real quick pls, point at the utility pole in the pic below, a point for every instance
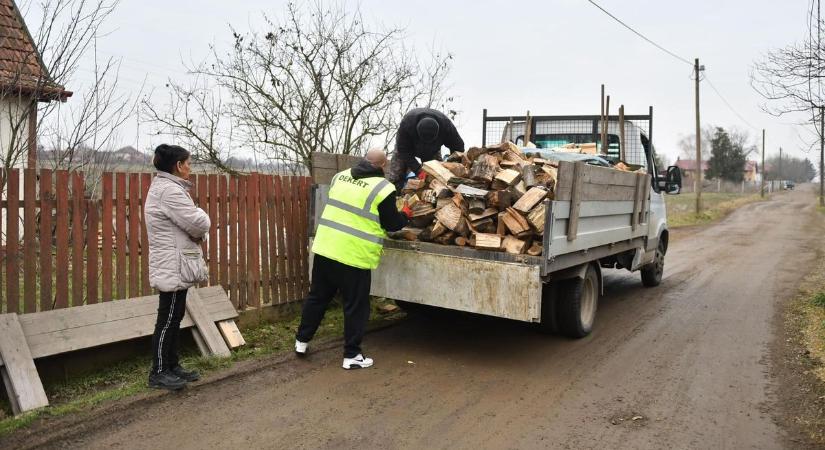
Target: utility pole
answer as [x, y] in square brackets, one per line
[696, 69]
[762, 185]
[780, 167]
[821, 109]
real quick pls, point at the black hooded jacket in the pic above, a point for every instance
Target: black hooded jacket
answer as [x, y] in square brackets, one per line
[408, 146]
[388, 215]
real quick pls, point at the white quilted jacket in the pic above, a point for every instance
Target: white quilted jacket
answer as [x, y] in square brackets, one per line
[173, 225]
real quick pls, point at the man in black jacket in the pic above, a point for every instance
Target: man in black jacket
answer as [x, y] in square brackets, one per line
[421, 134]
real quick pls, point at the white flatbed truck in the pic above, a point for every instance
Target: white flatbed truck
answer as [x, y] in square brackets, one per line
[599, 218]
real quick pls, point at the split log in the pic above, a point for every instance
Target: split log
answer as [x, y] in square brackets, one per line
[438, 229]
[536, 218]
[452, 217]
[426, 235]
[514, 245]
[478, 184]
[476, 206]
[455, 157]
[461, 202]
[516, 223]
[413, 185]
[506, 178]
[437, 171]
[486, 241]
[501, 229]
[487, 225]
[461, 241]
[499, 200]
[456, 168]
[487, 213]
[442, 202]
[465, 190]
[535, 249]
[474, 152]
[445, 239]
[529, 200]
[441, 189]
[484, 168]
[407, 234]
[428, 196]
[521, 188]
[528, 176]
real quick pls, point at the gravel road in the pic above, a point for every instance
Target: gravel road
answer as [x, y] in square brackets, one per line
[684, 365]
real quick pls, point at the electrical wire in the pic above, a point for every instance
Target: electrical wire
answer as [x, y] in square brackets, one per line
[640, 34]
[732, 109]
[702, 78]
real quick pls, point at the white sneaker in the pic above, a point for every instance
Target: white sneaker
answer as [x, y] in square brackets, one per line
[359, 362]
[301, 348]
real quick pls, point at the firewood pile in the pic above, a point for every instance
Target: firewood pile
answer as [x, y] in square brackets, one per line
[487, 198]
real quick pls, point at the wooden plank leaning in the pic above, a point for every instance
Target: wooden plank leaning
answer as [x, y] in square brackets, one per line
[25, 391]
[208, 333]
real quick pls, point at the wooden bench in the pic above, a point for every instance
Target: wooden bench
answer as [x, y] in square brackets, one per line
[26, 337]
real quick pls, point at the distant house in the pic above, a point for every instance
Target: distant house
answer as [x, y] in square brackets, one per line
[24, 81]
[688, 168]
[751, 171]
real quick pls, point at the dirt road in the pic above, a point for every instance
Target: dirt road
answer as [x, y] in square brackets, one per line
[684, 365]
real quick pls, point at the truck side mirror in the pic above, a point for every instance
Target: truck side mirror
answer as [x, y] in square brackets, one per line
[673, 180]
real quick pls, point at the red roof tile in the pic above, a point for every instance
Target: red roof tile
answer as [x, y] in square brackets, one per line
[20, 65]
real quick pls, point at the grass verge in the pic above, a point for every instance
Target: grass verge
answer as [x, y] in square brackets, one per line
[681, 208]
[806, 322]
[129, 377]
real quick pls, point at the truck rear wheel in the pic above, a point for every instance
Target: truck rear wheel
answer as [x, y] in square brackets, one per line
[652, 273]
[577, 304]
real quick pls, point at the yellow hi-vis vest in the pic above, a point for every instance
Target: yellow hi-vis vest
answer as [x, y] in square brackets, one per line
[349, 230]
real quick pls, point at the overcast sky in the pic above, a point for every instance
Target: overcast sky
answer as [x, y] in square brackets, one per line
[548, 57]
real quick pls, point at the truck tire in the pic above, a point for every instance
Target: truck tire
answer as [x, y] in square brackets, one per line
[577, 303]
[652, 273]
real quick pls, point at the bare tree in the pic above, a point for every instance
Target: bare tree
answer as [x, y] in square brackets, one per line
[65, 35]
[320, 79]
[790, 79]
[687, 144]
[196, 115]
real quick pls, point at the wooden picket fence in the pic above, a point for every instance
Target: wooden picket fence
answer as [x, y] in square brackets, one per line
[61, 248]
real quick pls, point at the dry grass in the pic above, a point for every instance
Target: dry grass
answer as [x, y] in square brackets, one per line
[681, 208]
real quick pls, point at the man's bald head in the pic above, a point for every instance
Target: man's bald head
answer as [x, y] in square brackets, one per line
[377, 158]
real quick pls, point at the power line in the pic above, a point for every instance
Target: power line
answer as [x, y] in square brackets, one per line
[721, 97]
[716, 91]
[641, 35]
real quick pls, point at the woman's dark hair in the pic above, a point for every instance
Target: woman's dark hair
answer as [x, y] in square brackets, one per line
[167, 157]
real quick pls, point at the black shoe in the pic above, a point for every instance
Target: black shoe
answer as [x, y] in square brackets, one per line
[166, 380]
[186, 375]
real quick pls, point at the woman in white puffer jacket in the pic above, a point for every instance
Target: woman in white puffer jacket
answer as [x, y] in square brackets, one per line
[175, 227]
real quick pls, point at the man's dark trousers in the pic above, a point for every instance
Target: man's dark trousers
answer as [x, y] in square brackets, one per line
[328, 278]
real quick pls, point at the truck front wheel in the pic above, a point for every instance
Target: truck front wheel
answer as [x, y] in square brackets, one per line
[652, 273]
[578, 300]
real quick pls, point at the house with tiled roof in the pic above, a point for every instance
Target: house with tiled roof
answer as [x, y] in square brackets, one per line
[24, 81]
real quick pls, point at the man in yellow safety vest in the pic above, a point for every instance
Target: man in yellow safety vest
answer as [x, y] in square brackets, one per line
[348, 245]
